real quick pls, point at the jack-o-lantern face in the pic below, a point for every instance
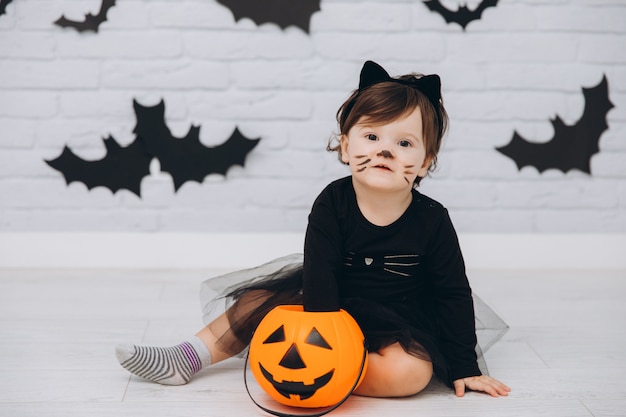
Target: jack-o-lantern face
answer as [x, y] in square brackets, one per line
[293, 360]
[307, 359]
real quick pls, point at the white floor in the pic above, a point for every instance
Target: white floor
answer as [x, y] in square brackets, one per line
[564, 355]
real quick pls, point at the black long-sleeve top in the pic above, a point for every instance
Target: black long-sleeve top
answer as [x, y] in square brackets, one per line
[413, 265]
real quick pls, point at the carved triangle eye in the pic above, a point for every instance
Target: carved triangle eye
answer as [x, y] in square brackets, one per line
[277, 336]
[315, 338]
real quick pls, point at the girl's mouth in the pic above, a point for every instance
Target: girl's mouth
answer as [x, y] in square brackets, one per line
[383, 167]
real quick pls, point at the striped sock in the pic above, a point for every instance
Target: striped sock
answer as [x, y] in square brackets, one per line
[166, 365]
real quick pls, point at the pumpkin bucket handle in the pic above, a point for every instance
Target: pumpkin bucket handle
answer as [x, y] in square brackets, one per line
[316, 414]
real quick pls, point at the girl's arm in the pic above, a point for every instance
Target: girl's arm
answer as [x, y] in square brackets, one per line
[453, 301]
[322, 256]
[455, 309]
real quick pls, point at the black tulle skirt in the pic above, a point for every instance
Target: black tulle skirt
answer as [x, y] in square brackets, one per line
[246, 296]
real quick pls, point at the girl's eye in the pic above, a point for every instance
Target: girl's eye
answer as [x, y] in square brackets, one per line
[404, 143]
[371, 136]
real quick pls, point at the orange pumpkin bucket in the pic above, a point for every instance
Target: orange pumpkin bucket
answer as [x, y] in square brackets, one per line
[308, 359]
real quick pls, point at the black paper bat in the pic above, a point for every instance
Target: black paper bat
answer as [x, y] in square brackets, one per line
[91, 22]
[463, 16]
[572, 146]
[281, 12]
[121, 168]
[3, 6]
[184, 159]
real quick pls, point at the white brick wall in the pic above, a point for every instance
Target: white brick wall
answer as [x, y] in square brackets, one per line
[515, 69]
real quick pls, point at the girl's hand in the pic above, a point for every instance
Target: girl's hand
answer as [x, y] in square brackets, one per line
[482, 383]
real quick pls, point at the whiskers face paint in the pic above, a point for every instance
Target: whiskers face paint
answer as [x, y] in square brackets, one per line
[368, 160]
[408, 172]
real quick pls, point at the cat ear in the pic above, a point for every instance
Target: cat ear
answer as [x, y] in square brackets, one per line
[430, 85]
[372, 73]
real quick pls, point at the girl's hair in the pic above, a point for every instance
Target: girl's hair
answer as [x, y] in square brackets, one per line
[387, 101]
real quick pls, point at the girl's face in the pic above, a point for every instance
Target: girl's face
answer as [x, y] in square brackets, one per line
[386, 157]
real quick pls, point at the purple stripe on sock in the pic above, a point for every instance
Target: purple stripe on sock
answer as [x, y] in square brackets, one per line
[191, 354]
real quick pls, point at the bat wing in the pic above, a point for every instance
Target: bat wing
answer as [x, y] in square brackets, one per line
[232, 152]
[3, 6]
[121, 168]
[571, 146]
[91, 22]
[463, 16]
[187, 159]
[282, 12]
[201, 161]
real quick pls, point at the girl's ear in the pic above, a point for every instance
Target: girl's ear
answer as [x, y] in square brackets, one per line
[425, 167]
[343, 142]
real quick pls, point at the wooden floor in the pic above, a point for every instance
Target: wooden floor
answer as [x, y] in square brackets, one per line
[564, 355]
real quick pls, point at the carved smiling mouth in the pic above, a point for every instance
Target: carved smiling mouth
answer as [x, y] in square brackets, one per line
[287, 388]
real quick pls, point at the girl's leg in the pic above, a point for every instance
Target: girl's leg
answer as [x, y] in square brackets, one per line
[174, 365]
[215, 342]
[211, 333]
[392, 372]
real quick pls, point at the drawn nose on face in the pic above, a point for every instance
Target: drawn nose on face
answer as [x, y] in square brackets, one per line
[292, 359]
[385, 154]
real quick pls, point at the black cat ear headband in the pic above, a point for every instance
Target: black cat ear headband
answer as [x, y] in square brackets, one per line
[429, 85]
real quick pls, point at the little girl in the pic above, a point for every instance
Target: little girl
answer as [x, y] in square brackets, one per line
[375, 247]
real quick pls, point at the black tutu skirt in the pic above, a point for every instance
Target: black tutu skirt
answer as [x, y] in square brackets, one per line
[246, 296]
